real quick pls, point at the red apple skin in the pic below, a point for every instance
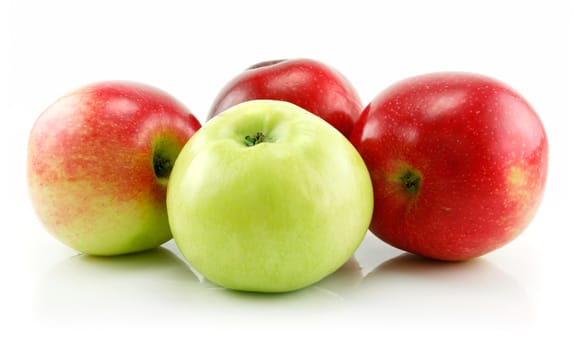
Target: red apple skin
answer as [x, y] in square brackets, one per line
[478, 150]
[92, 160]
[310, 84]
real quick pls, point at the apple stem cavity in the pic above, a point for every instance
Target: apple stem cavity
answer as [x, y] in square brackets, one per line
[411, 181]
[252, 140]
[162, 166]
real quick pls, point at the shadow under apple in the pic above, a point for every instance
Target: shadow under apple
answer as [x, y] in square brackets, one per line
[325, 295]
[413, 288]
[121, 287]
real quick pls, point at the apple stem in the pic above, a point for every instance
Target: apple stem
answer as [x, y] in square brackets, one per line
[411, 181]
[252, 140]
[265, 64]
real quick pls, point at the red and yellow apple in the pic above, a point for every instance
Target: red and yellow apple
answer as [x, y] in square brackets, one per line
[98, 163]
[458, 163]
[309, 84]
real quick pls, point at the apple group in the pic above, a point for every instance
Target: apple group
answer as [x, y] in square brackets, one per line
[278, 187]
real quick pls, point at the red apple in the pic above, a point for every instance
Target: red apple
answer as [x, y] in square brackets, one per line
[458, 163]
[309, 84]
[98, 163]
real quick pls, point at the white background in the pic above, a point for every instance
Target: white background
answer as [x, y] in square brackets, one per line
[517, 296]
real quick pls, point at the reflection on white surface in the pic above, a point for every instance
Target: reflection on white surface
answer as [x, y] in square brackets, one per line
[100, 287]
[160, 285]
[418, 289]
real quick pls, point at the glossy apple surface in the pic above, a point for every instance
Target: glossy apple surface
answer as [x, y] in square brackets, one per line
[267, 197]
[458, 163]
[310, 84]
[98, 163]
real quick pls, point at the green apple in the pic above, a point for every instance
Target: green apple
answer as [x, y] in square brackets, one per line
[268, 197]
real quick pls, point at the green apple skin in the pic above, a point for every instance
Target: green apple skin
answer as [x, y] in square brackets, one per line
[275, 216]
[98, 166]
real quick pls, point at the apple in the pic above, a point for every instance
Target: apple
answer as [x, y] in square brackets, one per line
[458, 163]
[310, 84]
[268, 197]
[98, 163]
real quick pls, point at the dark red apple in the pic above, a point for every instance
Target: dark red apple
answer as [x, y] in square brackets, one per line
[310, 84]
[458, 163]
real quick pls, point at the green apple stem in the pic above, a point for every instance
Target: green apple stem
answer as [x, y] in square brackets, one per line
[252, 140]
